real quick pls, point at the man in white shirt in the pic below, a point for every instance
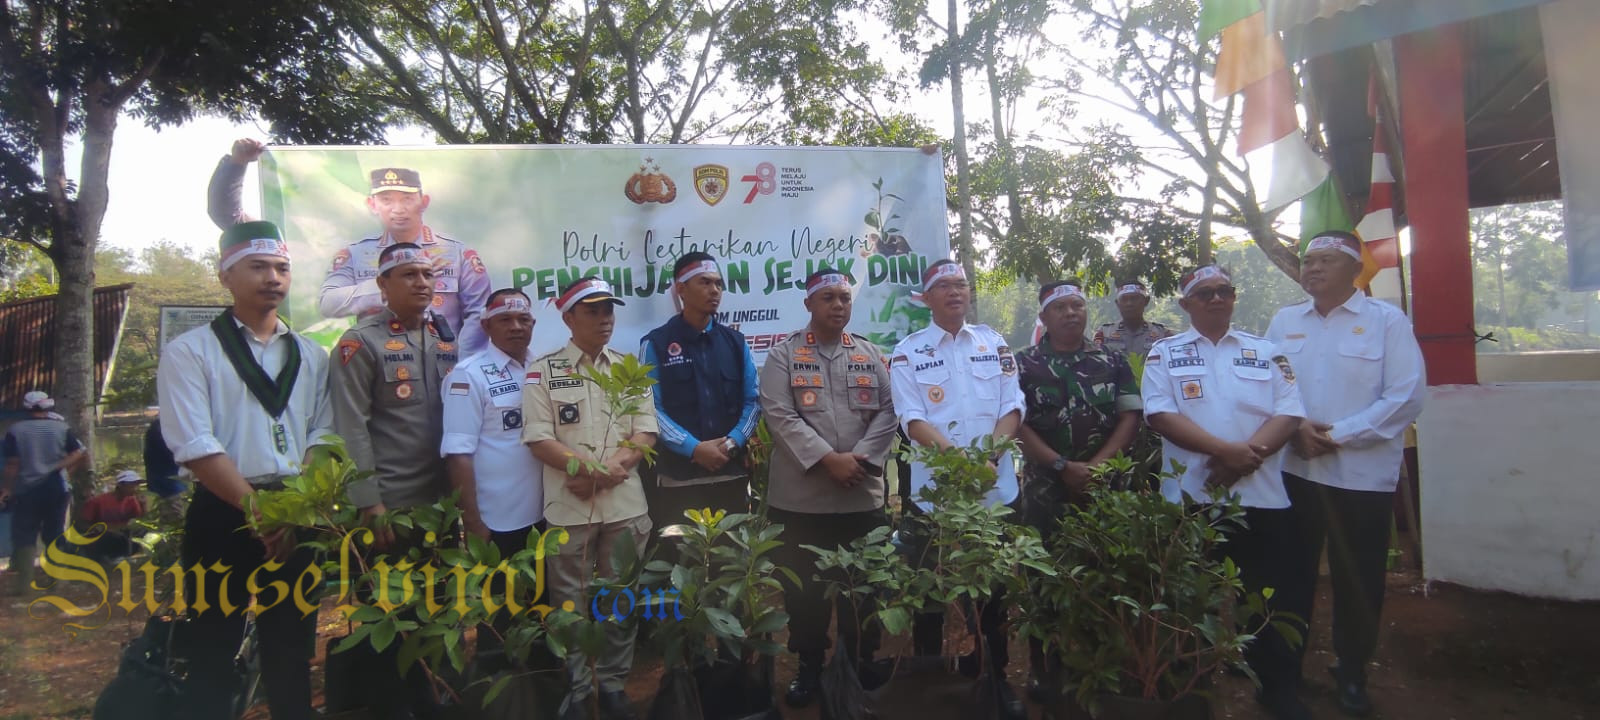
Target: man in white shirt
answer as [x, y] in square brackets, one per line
[242, 401]
[1362, 381]
[1225, 406]
[953, 383]
[501, 486]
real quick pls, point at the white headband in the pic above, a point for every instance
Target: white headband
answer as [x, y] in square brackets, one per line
[1206, 273]
[506, 304]
[947, 270]
[258, 246]
[404, 256]
[1131, 289]
[1060, 292]
[699, 268]
[1332, 242]
[581, 291]
[833, 279]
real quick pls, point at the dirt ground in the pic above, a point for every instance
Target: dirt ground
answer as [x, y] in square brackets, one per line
[1447, 653]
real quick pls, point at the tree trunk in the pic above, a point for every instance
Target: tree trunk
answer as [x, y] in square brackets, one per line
[963, 177]
[1018, 226]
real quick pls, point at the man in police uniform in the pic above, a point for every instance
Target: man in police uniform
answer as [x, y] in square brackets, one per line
[826, 397]
[707, 403]
[603, 504]
[387, 386]
[1133, 335]
[1225, 405]
[1363, 385]
[396, 199]
[243, 400]
[953, 383]
[500, 484]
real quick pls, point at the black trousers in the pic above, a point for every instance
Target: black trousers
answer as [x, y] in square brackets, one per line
[809, 610]
[1262, 551]
[1354, 525]
[927, 627]
[667, 504]
[285, 634]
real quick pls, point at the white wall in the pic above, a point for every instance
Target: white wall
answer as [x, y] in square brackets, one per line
[1511, 487]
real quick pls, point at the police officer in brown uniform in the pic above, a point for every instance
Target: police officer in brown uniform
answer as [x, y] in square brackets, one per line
[827, 401]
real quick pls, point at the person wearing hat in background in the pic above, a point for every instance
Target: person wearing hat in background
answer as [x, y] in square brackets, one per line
[396, 199]
[707, 402]
[1225, 405]
[501, 485]
[953, 383]
[37, 449]
[387, 390]
[116, 508]
[603, 504]
[1361, 377]
[1132, 334]
[825, 394]
[243, 400]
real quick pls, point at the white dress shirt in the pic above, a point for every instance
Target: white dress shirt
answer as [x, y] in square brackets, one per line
[483, 418]
[1360, 370]
[207, 409]
[1230, 389]
[962, 385]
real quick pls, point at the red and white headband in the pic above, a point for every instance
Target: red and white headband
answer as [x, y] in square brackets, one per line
[405, 256]
[586, 288]
[1334, 242]
[689, 272]
[940, 272]
[827, 280]
[1060, 292]
[1133, 289]
[1201, 275]
[258, 246]
[506, 304]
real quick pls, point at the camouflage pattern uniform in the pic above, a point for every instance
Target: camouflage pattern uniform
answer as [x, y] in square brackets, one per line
[1073, 402]
[1117, 337]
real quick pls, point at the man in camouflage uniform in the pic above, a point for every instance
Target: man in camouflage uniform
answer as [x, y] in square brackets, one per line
[1083, 407]
[1133, 335]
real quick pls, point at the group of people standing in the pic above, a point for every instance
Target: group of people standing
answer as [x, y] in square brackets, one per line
[1337, 380]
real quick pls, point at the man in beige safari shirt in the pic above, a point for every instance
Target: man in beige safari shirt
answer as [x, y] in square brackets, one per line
[826, 397]
[566, 416]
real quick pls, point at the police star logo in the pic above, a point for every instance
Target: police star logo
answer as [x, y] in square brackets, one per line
[711, 183]
[1192, 390]
[403, 391]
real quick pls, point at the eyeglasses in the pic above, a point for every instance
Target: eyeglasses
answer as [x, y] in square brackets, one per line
[1226, 292]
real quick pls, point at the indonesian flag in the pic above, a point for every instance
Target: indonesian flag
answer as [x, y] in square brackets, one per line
[1283, 167]
[1377, 228]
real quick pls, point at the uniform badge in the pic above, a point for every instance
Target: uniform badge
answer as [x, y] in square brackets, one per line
[1283, 367]
[347, 350]
[864, 396]
[432, 330]
[863, 381]
[811, 338]
[567, 414]
[395, 328]
[1358, 330]
[711, 183]
[858, 358]
[402, 373]
[1008, 364]
[798, 381]
[808, 398]
[446, 347]
[1247, 354]
[1192, 390]
[510, 419]
[394, 345]
[674, 350]
[403, 391]
[816, 381]
[926, 350]
[846, 341]
[533, 378]
[341, 259]
[983, 348]
[475, 263]
[460, 388]
[898, 360]
[936, 394]
[438, 300]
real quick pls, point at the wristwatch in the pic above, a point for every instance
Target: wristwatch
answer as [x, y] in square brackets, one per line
[1060, 464]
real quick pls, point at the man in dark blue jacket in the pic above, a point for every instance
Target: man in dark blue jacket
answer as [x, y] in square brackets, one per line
[707, 402]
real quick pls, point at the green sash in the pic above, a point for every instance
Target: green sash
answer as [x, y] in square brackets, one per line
[273, 394]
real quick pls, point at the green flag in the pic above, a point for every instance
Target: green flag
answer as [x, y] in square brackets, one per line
[1323, 209]
[1218, 14]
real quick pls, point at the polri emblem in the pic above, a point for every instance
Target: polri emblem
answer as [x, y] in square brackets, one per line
[711, 183]
[403, 391]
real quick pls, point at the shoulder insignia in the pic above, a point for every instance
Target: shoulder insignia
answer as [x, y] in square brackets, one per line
[347, 350]
[474, 263]
[395, 328]
[1283, 367]
[846, 341]
[340, 259]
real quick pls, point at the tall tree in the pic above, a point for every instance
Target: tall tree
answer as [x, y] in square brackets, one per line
[70, 69]
[1140, 59]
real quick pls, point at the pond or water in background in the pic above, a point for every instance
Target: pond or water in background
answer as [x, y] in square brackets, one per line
[119, 447]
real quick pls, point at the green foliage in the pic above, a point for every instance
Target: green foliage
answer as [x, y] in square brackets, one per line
[1519, 281]
[164, 273]
[24, 272]
[1140, 605]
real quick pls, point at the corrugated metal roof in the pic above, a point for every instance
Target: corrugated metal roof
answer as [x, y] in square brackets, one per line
[28, 342]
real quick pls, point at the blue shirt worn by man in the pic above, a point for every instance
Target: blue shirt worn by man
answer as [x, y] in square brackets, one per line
[706, 388]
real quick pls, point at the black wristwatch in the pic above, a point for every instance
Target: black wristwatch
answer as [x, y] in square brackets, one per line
[1060, 464]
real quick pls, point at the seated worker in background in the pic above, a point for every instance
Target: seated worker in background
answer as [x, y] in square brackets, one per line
[116, 509]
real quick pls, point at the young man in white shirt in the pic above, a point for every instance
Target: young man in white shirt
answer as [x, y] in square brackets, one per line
[243, 399]
[1225, 406]
[952, 383]
[1363, 384]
